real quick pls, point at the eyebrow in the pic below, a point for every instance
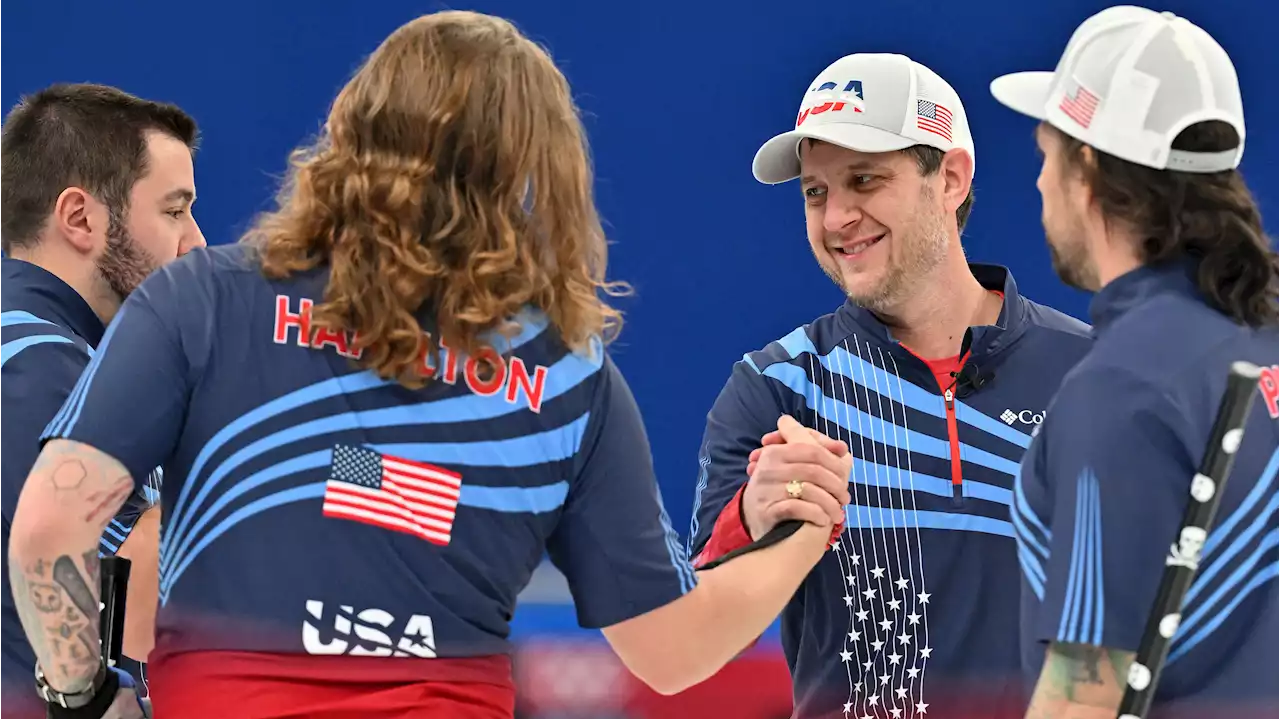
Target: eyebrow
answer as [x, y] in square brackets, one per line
[184, 194]
[853, 168]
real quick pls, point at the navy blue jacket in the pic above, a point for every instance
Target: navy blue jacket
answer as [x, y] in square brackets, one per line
[917, 607]
[1107, 479]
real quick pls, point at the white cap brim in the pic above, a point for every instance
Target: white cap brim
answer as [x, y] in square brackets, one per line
[778, 160]
[1024, 92]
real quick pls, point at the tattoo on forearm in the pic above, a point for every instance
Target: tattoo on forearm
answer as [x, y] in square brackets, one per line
[56, 569]
[93, 568]
[1080, 682]
[66, 574]
[68, 475]
[106, 506]
[47, 598]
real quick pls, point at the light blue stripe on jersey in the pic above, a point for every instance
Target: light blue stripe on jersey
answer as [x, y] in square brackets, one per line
[536, 499]
[531, 325]
[271, 501]
[1183, 640]
[11, 349]
[1031, 553]
[679, 560]
[909, 394]
[553, 445]
[1264, 575]
[561, 377]
[704, 474]
[886, 518]
[1083, 609]
[872, 474]
[853, 418]
[66, 419]
[1260, 489]
[13, 318]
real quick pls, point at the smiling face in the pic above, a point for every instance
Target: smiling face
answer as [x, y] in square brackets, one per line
[876, 224]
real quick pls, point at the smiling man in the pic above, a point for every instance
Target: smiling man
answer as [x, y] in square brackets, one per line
[934, 372]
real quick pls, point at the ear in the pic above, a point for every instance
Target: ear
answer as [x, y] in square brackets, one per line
[80, 219]
[1087, 165]
[957, 177]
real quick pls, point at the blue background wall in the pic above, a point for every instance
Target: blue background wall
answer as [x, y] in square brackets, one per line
[677, 97]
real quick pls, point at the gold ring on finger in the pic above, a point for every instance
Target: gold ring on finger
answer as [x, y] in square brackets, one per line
[794, 489]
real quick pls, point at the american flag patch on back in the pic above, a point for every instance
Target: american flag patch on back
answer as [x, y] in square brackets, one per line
[393, 493]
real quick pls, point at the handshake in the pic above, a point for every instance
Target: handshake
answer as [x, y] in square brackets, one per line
[796, 473]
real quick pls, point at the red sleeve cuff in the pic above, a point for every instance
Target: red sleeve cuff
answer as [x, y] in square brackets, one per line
[729, 534]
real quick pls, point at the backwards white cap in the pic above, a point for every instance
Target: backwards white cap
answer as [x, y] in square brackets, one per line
[1129, 81]
[869, 102]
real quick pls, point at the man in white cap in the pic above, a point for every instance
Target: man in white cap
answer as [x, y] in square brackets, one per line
[1142, 128]
[934, 373]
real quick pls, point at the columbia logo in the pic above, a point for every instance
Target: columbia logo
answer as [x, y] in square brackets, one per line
[1009, 416]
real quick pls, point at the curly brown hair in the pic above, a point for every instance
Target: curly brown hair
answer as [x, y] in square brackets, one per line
[452, 182]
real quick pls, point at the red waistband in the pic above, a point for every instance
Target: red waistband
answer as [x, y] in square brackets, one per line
[258, 685]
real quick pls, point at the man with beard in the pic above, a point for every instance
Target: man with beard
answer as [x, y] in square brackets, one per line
[1142, 130]
[934, 373]
[96, 193]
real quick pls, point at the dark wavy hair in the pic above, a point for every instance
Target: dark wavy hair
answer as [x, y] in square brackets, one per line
[452, 178]
[1209, 217]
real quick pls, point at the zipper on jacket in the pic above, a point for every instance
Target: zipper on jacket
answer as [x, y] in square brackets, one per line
[957, 481]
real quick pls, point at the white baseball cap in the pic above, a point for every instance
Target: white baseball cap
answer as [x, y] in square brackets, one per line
[869, 102]
[1129, 81]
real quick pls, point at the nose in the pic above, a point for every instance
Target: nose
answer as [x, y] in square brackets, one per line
[843, 208]
[193, 239]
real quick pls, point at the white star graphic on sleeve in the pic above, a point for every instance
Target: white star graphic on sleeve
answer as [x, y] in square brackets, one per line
[894, 604]
[848, 600]
[866, 666]
[869, 594]
[895, 658]
[884, 679]
[924, 597]
[852, 579]
[912, 672]
[904, 639]
[873, 700]
[886, 624]
[855, 636]
[847, 707]
[853, 557]
[926, 652]
[862, 615]
[901, 692]
[913, 618]
[922, 708]
[896, 712]
[845, 656]
[876, 645]
[902, 583]
[878, 572]
[857, 688]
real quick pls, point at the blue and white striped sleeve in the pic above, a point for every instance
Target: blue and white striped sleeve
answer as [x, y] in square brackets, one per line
[1118, 473]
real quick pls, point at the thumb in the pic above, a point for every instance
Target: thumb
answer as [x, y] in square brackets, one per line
[793, 432]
